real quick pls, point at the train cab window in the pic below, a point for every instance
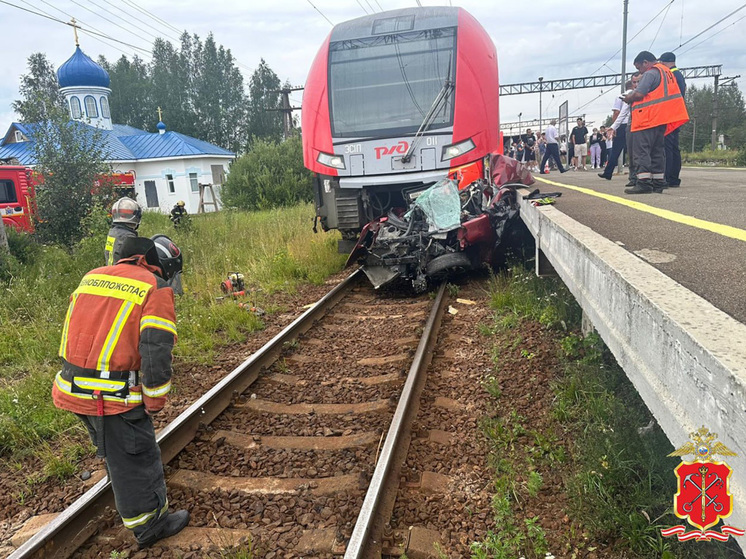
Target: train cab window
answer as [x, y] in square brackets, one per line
[7, 192]
[387, 83]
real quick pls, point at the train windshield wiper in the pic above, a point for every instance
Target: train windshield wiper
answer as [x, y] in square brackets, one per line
[441, 98]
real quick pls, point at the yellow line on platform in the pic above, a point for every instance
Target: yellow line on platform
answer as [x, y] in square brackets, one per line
[719, 228]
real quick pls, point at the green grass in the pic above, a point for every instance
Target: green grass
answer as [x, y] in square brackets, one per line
[620, 482]
[275, 250]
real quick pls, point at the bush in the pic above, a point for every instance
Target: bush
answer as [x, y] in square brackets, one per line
[22, 246]
[721, 158]
[271, 175]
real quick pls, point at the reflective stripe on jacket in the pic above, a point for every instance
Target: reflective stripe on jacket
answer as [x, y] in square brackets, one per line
[113, 247]
[120, 320]
[663, 105]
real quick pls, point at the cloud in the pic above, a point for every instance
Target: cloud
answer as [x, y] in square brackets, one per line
[548, 38]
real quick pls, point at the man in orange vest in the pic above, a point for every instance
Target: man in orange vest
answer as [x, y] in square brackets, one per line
[657, 110]
[116, 373]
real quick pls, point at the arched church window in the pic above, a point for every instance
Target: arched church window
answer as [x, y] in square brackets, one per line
[90, 107]
[75, 110]
[105, 112]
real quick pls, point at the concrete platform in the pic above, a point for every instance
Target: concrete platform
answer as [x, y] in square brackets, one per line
[711, 263]
[662, 278]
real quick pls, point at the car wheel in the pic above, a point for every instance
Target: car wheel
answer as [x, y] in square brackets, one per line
[448, 264]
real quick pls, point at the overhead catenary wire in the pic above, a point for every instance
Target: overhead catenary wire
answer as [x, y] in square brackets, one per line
[359, 3]
[711, 26]
[320, 12]
[663, 20]
[711, 36]
[635, 36]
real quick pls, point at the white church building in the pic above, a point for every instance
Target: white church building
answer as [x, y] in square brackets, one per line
[167, 166]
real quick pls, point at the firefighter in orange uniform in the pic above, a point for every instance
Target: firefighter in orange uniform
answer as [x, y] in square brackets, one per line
[116, 372]
[125, 218]
[658, 109]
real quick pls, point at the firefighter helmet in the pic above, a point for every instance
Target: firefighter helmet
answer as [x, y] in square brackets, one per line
[169, 255]
[181, 203]
[126, 211]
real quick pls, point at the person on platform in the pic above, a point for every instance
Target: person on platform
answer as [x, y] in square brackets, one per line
[619, 130]
[579, 141]
[657, 109]
[673, 154]
[116, 374]
[552, 150]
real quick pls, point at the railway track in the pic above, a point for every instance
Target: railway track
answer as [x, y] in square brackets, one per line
[312, 448]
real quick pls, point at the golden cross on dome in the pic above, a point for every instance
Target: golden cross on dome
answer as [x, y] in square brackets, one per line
[75, 31]
[160, 115]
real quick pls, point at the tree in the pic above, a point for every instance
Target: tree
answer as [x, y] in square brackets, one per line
[130, 97]
[265, 121]
[39, 89]
[270, 175]
[696, 135]
[69, 157]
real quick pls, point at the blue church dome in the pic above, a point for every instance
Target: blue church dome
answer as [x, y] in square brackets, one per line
[80, 70]
[161, 125]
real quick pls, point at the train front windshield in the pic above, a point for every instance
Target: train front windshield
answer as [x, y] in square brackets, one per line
[385, 85]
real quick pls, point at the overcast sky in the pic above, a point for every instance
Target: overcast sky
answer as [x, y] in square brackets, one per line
[549, 38]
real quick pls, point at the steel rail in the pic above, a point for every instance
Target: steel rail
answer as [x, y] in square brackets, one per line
[390, 461]
[72, 527]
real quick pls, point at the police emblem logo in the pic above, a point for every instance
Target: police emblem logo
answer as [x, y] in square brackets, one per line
[703, 498]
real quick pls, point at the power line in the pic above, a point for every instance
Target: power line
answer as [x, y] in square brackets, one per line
[102, 41]
[135, 18]
[711, 26]
[104, 18]
[152, 15]
[68, 24]
[322, 15]
[379, 5]
[372, 9]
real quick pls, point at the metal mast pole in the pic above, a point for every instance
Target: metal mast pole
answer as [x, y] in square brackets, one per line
[624, 46]
[714, 139]
[541, 128]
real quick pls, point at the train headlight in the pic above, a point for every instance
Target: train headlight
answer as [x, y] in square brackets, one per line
[454, 150]
[329, 160]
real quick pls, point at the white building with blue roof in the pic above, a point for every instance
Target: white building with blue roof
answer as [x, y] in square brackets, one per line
[168, 166]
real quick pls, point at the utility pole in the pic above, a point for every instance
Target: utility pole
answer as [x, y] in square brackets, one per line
[714, 138]
[624, 45]
[286, 110]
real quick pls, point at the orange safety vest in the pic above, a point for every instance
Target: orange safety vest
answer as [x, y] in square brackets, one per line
[116, 342]
[663, 105]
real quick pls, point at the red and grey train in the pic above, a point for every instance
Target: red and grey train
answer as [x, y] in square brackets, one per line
[394, 102]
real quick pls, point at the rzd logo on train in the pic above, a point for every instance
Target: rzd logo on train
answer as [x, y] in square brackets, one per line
[703, 497]
[400, 147]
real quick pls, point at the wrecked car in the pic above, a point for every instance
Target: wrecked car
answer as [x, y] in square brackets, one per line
[447, 228]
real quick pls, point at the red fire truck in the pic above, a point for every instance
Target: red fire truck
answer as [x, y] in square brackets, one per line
[18, 193]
